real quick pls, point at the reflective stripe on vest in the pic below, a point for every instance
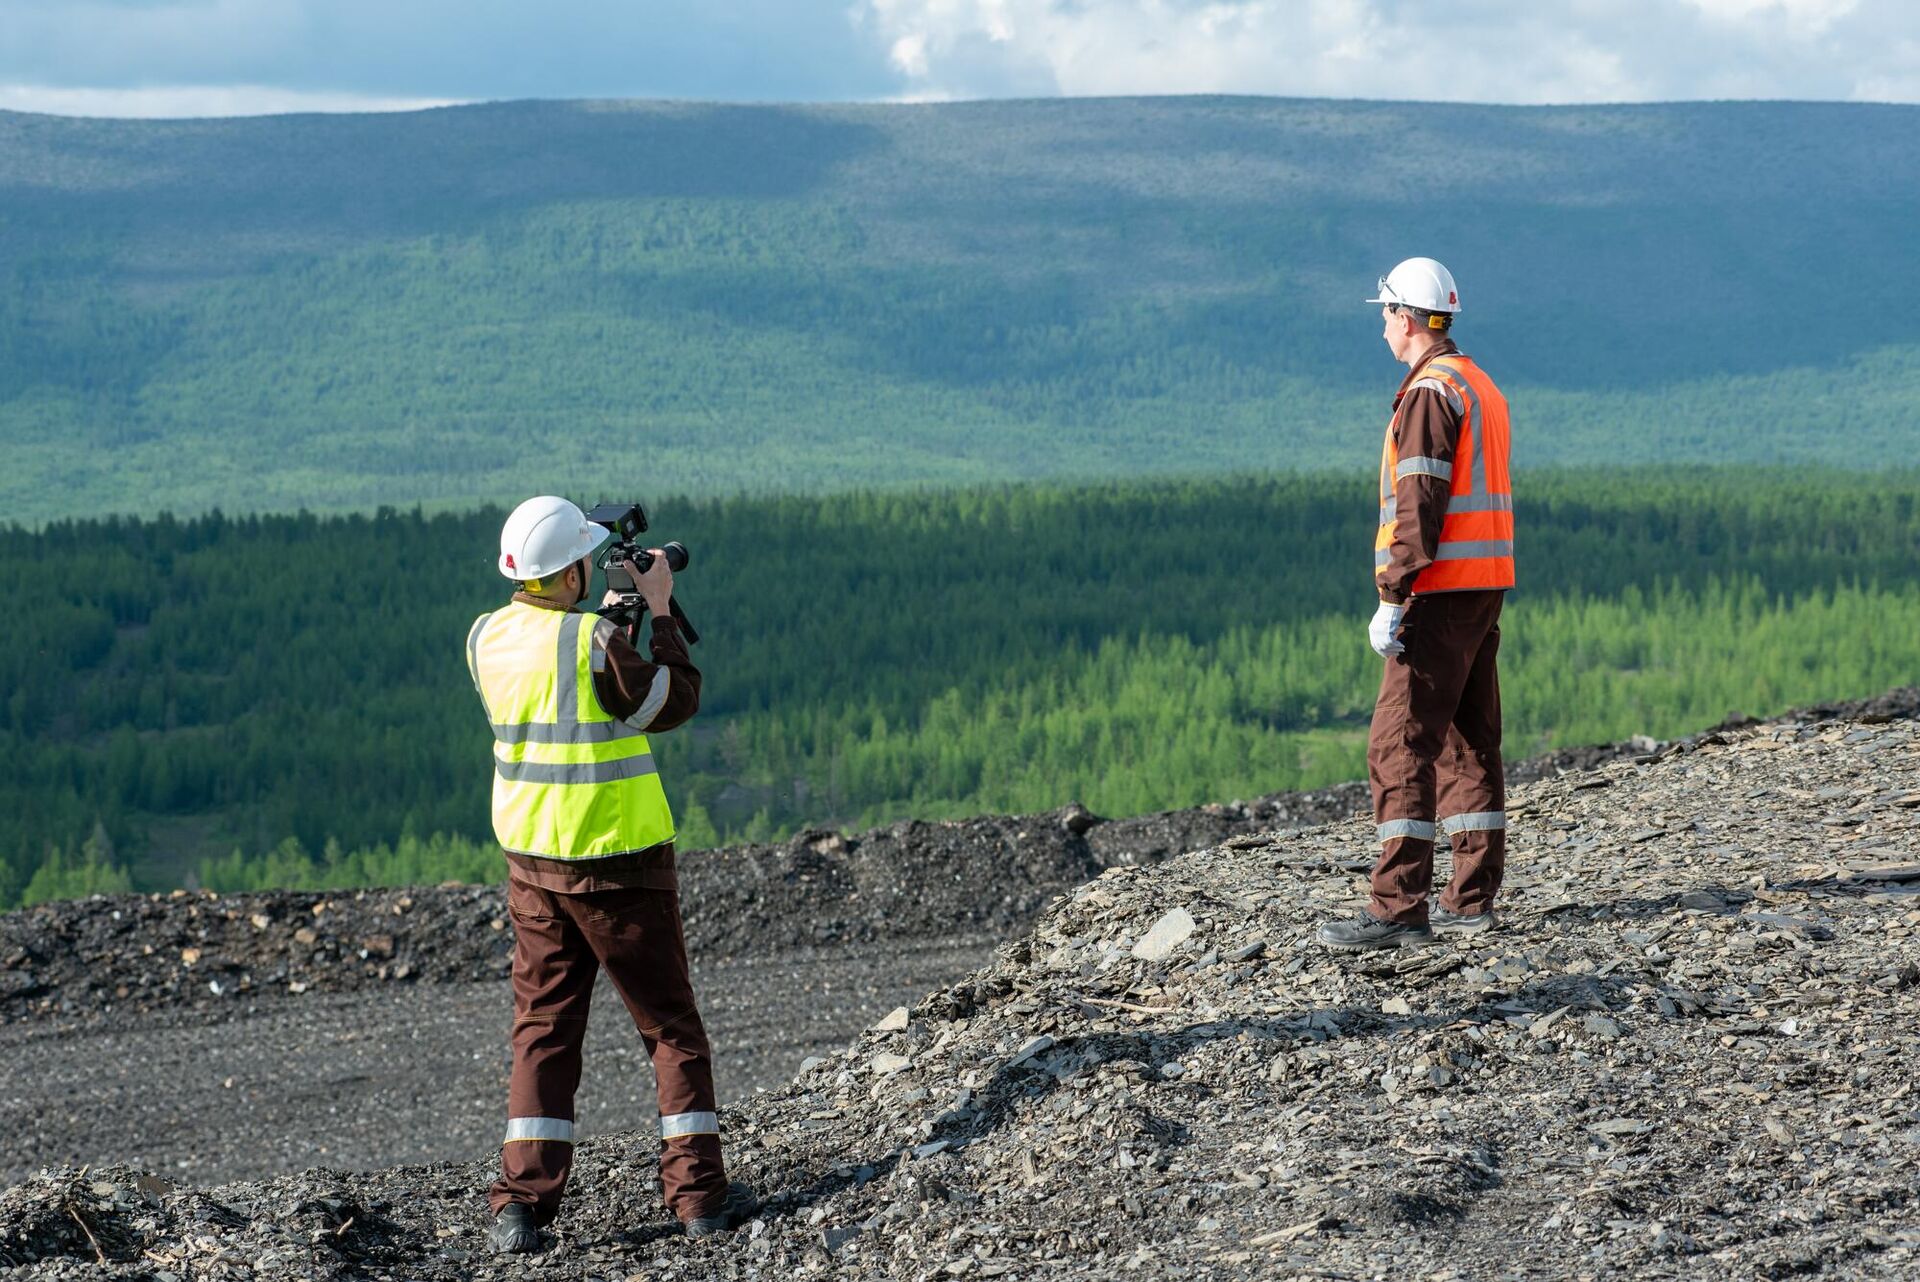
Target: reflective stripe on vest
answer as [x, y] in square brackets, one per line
[1476, 538]
[570, 781]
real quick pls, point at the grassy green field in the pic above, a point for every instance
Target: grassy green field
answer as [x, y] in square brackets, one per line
[468, 305]
[292, 688]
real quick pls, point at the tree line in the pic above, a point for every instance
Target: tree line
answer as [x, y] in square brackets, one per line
[243, 699]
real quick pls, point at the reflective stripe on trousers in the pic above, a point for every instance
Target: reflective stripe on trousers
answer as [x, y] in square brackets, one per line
[1394, 829]
[558, 1129]
[675, 1125]
[1480, 821]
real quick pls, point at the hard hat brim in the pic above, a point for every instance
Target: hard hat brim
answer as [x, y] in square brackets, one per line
[1401, 302]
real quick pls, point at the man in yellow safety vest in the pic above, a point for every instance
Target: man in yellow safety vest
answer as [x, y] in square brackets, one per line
[588, 835]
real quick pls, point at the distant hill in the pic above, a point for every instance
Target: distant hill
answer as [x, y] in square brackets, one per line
[477, 302]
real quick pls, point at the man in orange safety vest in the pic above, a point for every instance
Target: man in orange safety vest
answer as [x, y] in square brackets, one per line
[1442, 564]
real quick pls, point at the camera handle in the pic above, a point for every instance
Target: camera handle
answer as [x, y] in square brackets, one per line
[626, 613]
[686, 624]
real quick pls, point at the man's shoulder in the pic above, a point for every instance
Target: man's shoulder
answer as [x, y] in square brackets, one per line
[1457, 362]
[1461, 371]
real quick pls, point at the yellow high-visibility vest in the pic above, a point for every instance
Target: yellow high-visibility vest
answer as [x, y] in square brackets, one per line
[570, 781]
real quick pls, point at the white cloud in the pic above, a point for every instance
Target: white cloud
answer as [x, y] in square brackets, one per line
[909, 54]
[1807, 16]
[1465, 50]
[181, 101]
[1896, 77]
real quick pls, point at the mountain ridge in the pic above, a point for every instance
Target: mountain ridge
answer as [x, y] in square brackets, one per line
[453, 305]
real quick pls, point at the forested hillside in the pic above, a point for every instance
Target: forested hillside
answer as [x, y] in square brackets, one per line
[292, 687]
[471, 304]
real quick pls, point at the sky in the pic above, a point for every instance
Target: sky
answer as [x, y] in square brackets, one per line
[244, 57]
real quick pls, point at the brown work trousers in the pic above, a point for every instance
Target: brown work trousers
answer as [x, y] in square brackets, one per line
[560, 943]
[1434, 758]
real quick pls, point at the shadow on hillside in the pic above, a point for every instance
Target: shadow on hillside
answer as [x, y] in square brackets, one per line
[291, 182]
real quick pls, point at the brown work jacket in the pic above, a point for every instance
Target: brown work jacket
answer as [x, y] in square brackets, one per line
[1427, 427]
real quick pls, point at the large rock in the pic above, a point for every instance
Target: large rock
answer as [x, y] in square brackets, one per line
[1165, 935]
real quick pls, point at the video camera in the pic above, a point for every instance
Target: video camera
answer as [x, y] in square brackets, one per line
[628, 521]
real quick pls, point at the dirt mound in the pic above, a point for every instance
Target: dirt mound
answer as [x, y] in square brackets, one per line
[1689, 1050]
[205, 953]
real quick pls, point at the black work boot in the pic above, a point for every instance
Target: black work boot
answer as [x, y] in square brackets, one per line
[513, 1232]
[1367, 932]
[735, 1211]
[1446, 923]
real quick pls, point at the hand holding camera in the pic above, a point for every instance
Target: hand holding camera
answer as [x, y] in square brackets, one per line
[655, 583]
[637, 575]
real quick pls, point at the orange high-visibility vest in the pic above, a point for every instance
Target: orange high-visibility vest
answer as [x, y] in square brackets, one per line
[1476, 539]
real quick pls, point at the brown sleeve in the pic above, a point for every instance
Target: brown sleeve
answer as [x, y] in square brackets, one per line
[1429, 429]
[627, 681]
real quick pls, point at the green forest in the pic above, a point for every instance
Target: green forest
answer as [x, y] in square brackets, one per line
[452, 307]
[282, 700]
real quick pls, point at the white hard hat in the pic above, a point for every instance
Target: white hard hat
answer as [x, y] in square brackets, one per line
[544, 536]
[1422, 283]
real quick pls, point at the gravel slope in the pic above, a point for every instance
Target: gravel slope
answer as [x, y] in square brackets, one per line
[1689, 1054]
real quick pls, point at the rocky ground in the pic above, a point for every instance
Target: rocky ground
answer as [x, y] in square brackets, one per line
[117, 958]
[366, 1029]
[1689, 1053]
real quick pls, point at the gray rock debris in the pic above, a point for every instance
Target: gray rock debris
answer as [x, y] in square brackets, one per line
[1617, 1084]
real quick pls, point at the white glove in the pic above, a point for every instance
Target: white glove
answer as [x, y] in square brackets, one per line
[1384, 631]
